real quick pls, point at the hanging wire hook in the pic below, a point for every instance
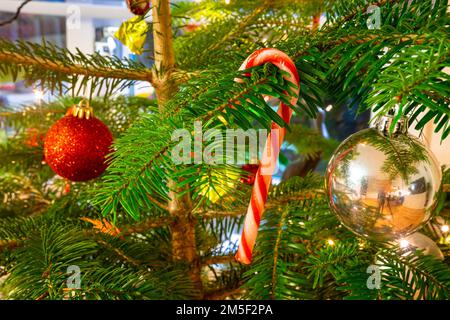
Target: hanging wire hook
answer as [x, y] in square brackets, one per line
[83, 110]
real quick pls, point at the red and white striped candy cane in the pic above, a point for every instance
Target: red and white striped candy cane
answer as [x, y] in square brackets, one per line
[269, 159]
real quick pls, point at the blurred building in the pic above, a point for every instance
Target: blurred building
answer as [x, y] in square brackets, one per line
[87, 25]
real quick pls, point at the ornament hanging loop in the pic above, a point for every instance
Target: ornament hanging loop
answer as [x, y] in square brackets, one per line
[384, 126]
[389, 126]
[83, 110]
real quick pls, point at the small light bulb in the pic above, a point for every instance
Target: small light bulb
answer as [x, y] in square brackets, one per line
[330, 242]
[329, 108]
[227, 1]
[38, 94]
[404, 243]
[445, 228]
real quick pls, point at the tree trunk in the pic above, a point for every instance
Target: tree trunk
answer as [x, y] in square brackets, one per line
[183, 229]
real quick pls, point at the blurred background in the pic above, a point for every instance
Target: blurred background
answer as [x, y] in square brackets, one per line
[87, 25]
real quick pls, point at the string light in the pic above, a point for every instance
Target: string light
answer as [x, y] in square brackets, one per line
[330, 242]
[445, 228]
[404, 243]
[38, 94]
[361, 245]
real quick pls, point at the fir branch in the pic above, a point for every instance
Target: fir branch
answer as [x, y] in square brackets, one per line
[158, 203]
[275, 271]
[60, 70]
[427, 272]
[120, 253]
[129, 165]
[239, 28]
[213, 214]
[74, 68]
[272, 203]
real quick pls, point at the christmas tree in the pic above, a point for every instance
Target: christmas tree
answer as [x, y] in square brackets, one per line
[150, 227]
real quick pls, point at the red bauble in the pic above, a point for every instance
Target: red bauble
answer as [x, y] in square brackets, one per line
[138, 7]
[75, 148]
[250, 177]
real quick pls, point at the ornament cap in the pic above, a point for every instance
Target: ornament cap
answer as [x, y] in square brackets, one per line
[83, 110]
[384, 125]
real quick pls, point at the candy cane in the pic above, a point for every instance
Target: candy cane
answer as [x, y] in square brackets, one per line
[269, 159]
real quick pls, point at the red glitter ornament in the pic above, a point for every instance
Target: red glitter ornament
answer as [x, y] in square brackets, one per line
[76, 145]
[138, 7]
[250, 177]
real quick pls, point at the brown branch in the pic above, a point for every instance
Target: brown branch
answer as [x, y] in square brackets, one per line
[16, 15]
[345, 39]
[226, 104]
[223, 293]
[358, 39]
[43, 296]
[158, 203]
[238, 31]
[352, 15]
[436, 96]
[146, 225]
[147, 165]
[153, 223]
[219, 260]
[9, 244]
[272, 202]
[111, 73]
[214, 214]
[276, 252]
[120, 253]
[164, 52]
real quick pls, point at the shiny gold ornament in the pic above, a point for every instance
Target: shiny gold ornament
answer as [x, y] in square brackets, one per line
[132, 33]
[383, 185]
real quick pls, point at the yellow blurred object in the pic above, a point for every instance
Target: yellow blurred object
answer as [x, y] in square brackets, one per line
[132, 33]
[144, 94]
[217, 190]
[222, 119]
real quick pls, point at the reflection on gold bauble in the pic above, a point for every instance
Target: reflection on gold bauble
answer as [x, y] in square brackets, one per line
[382, 186]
